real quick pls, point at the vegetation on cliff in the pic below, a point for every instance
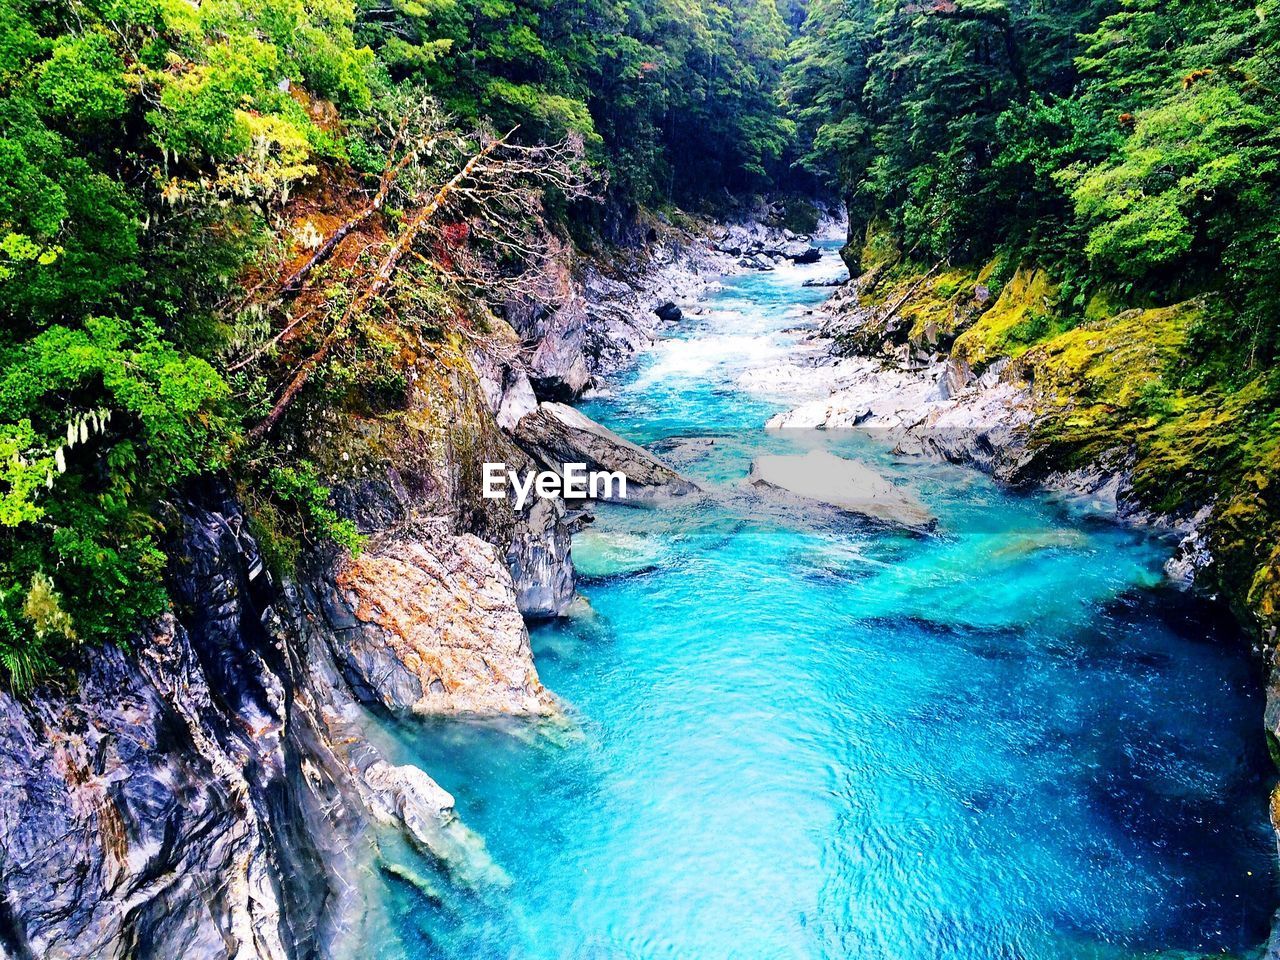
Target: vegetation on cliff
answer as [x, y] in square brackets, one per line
[212, 215]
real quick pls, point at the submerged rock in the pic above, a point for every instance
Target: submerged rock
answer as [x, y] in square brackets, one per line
[845, 484]
[556, 434]
[426, 810]
[600, 553]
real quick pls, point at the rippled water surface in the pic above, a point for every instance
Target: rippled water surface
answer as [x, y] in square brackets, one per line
[798, 736]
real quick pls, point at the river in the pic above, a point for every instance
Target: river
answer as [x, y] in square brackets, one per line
[796, 735]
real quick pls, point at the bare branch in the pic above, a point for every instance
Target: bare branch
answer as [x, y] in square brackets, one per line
[379, 282]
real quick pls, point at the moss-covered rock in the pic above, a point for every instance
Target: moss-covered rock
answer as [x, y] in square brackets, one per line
[1023, 314]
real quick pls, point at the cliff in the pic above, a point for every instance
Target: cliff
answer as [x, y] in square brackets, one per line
[213, 790]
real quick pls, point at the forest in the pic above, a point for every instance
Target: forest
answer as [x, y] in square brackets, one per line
[161, 313]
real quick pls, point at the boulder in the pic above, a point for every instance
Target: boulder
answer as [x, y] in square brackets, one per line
[668, 312]
[845, 484]
[539, 560]
[802, 252]
[505, 387]
[556, 434]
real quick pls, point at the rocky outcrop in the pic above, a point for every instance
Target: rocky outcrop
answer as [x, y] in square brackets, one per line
[556, 434]
[583, 319]
[760, 247]
[668, 312]
[202, 797]
[429, 623]
[541, 562]
[801, 251]
[847, 485]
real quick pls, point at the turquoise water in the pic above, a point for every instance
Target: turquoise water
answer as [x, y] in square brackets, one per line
[799, 736]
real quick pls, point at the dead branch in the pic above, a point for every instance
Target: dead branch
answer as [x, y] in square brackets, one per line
[911, 292]
[381, 278]
[294, 283]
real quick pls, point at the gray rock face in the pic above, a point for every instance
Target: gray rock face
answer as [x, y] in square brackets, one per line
[506, 388]
[159, 807]
[115, 831]
[556, 434]
[554, 322]
[582, 323]
[209, 796]
[541, 562]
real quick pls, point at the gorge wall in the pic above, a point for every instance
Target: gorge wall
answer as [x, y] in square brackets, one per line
[212, 791]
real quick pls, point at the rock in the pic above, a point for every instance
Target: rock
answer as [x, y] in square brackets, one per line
[506, 389]
[127, 821]
[956, 375]
[1193, 553]
[801, 252]
[797, 381]
[190, 798]
[845, 484]
[559, 368]
[756, 261]
[540, 561]
[557, 434]
[668, 312]
[554, 319]
[439, 630]
[409, 797]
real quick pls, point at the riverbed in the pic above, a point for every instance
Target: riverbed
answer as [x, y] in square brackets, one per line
[796, 734]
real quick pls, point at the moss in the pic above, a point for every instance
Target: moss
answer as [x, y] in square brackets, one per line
[1024, 312]
[1112, 383]
[1102, 303]
[941, 308]
[1114, 380]
[1245, 533]
[879, 249]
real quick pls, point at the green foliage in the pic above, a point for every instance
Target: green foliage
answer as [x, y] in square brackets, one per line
[1131, 152]
[289, 508]
[676, 97]
[138, 141]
